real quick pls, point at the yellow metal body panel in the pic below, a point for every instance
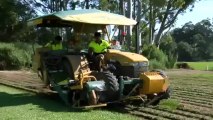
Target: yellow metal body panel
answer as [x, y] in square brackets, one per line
[124, 57]
[81, 70]
[79, 64]
[153, 82]
[36, 61]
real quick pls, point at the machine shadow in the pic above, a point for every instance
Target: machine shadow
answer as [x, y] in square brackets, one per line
[46, 102]
[127, 109]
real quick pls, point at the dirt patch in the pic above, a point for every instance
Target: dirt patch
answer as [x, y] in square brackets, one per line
[24, 80]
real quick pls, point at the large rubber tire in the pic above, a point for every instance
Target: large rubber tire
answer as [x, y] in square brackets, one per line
[167, 94]
[111, 84]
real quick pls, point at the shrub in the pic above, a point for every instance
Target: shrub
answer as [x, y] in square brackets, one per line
[157, 58]
[8, 60]
[183, 65]
[15, 55]
[172, 59]
[169, 47]
[154, 64]
[24, 52]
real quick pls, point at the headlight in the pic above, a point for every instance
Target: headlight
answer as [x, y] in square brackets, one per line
[145, 63]
[138, 64]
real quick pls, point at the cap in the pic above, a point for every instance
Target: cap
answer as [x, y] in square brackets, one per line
[97, 34]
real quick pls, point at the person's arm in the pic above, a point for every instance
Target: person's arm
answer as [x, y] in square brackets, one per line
[107, 44]
[109, 47]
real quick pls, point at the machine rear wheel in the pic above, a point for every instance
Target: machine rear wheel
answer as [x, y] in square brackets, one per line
[111, 84]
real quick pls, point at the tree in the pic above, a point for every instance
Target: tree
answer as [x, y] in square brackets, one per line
[194, 41]
[164, 13]
[169, 14]
[14, 14]
[169, 47]
[184, 51]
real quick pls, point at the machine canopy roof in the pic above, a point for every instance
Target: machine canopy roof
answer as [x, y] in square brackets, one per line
[77, 17]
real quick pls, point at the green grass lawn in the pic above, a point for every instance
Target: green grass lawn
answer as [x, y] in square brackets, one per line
[201, 65]
[21, 105]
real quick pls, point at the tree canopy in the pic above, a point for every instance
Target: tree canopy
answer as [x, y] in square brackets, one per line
[14, 14]
[155, 18]
[194, 41]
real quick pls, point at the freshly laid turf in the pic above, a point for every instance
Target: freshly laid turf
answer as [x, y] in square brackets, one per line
[170, 104]
[201, 65]
[21, 105]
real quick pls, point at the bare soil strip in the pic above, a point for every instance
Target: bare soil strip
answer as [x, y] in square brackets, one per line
[23, 80]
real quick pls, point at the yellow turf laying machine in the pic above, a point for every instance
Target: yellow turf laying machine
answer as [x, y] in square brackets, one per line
[76, 80]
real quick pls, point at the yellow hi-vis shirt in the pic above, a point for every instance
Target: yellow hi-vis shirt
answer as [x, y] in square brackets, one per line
[99, 48]
[58, 46]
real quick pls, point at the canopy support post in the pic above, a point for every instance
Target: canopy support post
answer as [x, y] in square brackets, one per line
[137, 37]
[105, 30]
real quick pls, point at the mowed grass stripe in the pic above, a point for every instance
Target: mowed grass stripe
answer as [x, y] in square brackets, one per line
[192, 102]
[196, 109]
[190, 89]
[185, 113]
[190, 93]
[200, 84]
[196, 82]
[187, 96]
[164, 114]
[147, 116]
[135, 111]
[196, 104]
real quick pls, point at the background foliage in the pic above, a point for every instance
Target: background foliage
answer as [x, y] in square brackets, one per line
[15, 55]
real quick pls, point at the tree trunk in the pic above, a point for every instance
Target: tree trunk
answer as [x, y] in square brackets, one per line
[150, 23]
[87, 4]
[122, 28]
[68, 29]
[139, 16]
[162, 26]
[166, 24]
[129, 28]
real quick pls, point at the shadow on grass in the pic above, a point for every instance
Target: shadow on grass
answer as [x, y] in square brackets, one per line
[46, 102]
[50, 103]
[126, 109]
[54, 104]
[137, 110]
